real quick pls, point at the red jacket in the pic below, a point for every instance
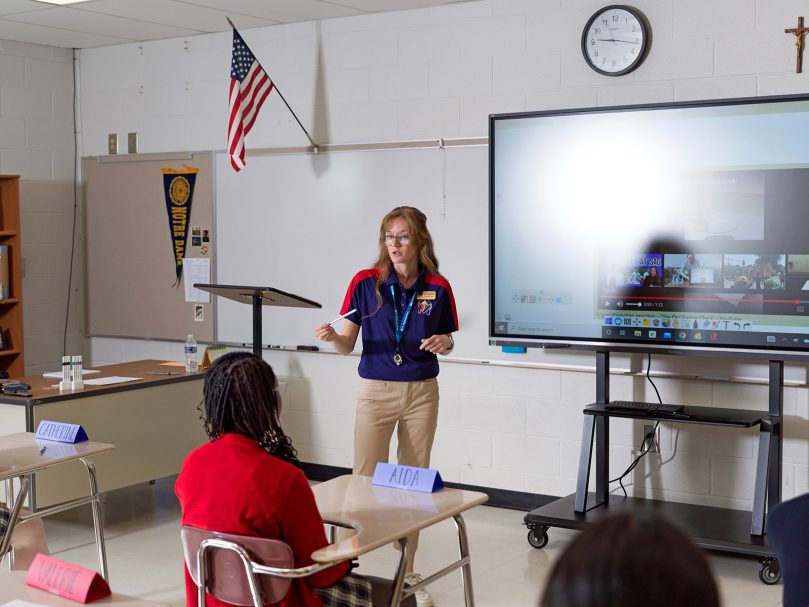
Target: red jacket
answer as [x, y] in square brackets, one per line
[232, 485]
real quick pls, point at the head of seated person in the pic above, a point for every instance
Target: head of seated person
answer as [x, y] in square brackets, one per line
[631, 561]
[240, 395]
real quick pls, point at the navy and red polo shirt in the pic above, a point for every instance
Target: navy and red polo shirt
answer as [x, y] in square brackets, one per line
[433, 312]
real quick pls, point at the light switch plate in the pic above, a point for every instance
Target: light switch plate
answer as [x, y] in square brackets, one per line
[112, 143]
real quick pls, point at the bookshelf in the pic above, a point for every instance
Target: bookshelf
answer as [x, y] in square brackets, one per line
[12, 359]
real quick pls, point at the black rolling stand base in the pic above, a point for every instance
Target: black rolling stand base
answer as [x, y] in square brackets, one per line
[718, 529]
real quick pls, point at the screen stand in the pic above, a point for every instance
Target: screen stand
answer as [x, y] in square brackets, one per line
[770, 442]
[595, 427]
[714, 528]
[258, 297]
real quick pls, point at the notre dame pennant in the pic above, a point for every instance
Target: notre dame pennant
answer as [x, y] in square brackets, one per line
[178, 186]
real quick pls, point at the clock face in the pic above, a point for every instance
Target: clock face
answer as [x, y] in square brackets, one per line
[615, 39]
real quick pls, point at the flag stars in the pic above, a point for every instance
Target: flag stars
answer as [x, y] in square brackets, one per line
[242, 59]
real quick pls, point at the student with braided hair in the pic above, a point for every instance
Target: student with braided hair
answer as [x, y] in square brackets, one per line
[246, 480]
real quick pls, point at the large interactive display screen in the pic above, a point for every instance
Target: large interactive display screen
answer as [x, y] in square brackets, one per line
[680, 226]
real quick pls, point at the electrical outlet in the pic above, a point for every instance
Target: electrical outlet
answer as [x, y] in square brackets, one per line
[655, 446]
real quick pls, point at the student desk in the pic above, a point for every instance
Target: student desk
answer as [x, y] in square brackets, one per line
[21, 455]
[12, 586]
[153, 423]
[382, 515]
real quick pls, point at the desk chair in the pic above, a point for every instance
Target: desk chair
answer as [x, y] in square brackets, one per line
[265, 564]
[788, 533]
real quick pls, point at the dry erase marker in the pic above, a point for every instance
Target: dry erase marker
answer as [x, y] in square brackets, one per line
[66, 369]
[349, 313]
[41, 451]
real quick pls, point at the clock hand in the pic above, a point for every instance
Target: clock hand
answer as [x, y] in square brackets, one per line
[616, 40]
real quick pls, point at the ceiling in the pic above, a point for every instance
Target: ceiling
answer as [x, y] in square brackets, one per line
[107, 22]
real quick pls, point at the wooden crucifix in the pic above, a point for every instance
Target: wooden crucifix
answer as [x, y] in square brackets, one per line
[799, 32]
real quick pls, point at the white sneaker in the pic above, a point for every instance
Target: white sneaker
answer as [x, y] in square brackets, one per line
[423, 598]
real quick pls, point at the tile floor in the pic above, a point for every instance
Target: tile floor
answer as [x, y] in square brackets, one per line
[145, 556]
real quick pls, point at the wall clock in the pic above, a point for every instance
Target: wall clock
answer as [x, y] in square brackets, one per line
[615, 40]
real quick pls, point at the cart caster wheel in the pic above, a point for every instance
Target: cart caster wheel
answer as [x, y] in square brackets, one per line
[770, 572]
[538, 536]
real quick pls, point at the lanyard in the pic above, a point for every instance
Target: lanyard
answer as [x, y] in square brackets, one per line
[400, 327]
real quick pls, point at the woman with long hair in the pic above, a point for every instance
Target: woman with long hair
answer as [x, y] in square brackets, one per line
[407, 314]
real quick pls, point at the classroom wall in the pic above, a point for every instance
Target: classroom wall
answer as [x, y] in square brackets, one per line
[36, 142]
[437, 73]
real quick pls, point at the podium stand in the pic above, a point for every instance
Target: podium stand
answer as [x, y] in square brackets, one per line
[258, 296]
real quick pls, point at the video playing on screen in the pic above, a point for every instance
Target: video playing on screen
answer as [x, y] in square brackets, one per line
[680, 226]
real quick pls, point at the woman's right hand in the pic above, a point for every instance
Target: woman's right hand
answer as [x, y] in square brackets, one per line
[343, 343]
[325, 332]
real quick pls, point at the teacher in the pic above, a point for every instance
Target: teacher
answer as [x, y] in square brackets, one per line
[407, 314]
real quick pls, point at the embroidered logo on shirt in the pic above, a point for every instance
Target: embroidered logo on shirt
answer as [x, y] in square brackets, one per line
[424, 307]
[426, 295]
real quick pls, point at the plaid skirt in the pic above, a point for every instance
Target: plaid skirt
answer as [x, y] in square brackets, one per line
[351, 591]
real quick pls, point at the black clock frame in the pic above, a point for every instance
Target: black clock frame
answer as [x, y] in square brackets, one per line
[645, 45]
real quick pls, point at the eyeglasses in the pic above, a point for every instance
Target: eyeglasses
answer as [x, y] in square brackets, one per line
[399, 238]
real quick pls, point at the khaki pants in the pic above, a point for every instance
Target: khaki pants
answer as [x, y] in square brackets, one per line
[411, 407]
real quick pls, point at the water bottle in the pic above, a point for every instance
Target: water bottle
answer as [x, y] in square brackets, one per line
[191, 354]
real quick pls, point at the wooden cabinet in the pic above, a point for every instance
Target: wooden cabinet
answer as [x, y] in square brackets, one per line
[11, 351]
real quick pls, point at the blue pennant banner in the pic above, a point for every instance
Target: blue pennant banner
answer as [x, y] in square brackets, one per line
[178, 186]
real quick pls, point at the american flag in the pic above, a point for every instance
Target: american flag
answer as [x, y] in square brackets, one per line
[249, 87]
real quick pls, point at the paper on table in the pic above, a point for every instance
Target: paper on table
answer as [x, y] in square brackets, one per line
[59, 373]
[104, 381]
[196, 270]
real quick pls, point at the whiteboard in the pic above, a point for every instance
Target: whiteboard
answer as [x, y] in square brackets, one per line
[306, 223]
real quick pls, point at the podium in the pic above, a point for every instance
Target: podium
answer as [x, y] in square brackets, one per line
[258, 297]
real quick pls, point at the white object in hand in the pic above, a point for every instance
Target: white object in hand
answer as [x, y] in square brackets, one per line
[349, 313]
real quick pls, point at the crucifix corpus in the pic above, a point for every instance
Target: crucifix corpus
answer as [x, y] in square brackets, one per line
[799, 32]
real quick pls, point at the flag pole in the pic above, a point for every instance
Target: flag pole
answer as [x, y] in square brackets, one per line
[275, 86]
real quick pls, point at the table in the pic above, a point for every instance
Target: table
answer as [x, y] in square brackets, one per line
[153, 423]
[382, 515]
[21, 455]
[12, 586]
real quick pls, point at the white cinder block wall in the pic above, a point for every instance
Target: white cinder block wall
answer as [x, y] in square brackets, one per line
[438, 73]
[37, 143]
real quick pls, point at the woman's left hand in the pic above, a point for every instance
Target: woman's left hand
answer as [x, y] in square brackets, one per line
[437, 344]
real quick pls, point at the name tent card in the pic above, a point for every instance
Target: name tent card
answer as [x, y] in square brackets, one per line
[411, 478]
[211, 354]
[66, 579]
[61, 432]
